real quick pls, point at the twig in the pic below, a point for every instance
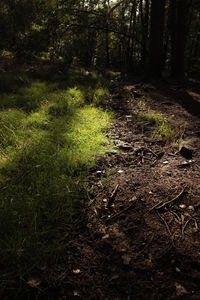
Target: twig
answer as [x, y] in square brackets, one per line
[151, 151]
[147, 245]
[122, 211]
[112, 196]
[161, 204]
[185, 225]
[167, 227]
[177, 218]
[114, 192]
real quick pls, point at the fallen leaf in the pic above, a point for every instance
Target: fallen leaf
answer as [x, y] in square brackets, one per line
[180, 290]
[34, 282]
[106, 236]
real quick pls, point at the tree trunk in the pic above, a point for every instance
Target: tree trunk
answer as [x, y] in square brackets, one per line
[178, 36]
[156, 37]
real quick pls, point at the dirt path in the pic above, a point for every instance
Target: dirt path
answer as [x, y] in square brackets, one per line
[142, 238]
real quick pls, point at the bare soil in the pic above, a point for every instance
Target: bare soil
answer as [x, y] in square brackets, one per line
[142, 237]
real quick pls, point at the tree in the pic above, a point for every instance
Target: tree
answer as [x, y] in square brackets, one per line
[179, 12]
[156, 37]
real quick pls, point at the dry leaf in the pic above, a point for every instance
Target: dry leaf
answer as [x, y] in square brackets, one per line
[180, 290]
[34, 282]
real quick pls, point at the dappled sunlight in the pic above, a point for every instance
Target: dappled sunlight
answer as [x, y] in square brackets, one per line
[43, 152]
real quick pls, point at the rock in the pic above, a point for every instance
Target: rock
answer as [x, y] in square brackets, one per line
[190, 207]
[98, 173]
[186, 148]
[186, 152]
[184, 165]
[183, 206]
[76, 271]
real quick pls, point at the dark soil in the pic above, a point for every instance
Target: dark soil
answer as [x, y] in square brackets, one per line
[142, 238]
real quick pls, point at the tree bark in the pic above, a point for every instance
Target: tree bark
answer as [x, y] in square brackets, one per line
[145, 27]
[178, 37]
[156, 37]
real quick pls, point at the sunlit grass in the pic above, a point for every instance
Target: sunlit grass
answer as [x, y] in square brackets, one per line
[49, 139]
[157, 120]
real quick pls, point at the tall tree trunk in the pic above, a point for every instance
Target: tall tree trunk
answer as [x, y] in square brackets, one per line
[156, 37]
[178, 36]
[145, 26]
[107, 40]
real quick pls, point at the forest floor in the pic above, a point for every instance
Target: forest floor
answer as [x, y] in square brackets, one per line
[124, 226]
[142, 237]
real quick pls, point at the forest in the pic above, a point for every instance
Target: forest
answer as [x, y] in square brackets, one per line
[100, 149]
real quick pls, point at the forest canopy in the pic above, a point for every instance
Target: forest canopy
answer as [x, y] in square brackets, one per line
[126, 35]
[99, 149]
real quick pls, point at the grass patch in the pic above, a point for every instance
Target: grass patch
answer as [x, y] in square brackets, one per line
[49, 139]
[162, 129]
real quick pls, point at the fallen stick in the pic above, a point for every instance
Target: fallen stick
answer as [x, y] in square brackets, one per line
[122, 211]
[185, 225]
[112, 196]
[167, 227]
[162, 204]
[114, 192]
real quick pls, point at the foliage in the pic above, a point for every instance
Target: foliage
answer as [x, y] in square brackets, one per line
[94, 34]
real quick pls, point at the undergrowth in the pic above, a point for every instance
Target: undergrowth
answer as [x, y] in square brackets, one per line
[50, 135]
[162, 129]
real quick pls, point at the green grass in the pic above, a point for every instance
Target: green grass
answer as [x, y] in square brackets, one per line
[50, 137]
[157, 120]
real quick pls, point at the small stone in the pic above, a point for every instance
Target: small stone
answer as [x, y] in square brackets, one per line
[183, 206]
[76, 294]
[76, 271]
[165, 162]
[190, 207]
[178, 270]
[120, 171]
[185, 164]
[133, 199]
[186, 151]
